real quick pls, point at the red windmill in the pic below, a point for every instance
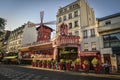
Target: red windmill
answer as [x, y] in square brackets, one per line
[44, 32]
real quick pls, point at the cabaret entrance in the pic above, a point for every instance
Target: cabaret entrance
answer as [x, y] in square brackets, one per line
[67, 53]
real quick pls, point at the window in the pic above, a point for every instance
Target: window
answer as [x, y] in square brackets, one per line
[108, 22]
[92, 32]
[76, 33]
[75, 13]
[70, 33]
[111, 40]
[64, 18]
[60, 19]
[93, 45]
[76, 23]
[70, 25]
[60, 11]
[70, 15]
[85, 34]
[85, 46]
[70, 7]
[65, 9]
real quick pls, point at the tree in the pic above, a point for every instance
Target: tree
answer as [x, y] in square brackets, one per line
[2, 23]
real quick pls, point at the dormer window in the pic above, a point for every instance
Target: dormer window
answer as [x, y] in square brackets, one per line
[107, 22]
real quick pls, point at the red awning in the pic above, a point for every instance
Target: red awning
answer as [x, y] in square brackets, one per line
[89, 53]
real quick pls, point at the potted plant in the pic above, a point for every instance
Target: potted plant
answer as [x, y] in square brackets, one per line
[77, 64]
[33, 62]
[96, 65]
[37, 63]
[40, 63]
[44, 63]
[49, 63]
[86, 66]
[68, 64]
[95, 62]
[61, 64]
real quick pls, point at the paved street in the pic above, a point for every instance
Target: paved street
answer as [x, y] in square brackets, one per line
[15, 72]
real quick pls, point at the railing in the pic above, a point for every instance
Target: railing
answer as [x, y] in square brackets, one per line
[63, 40]
[35, 43]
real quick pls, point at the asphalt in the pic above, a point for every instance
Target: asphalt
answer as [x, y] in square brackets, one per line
[111, 75]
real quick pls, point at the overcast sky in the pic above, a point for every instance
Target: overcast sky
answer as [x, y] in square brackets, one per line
[18, 12]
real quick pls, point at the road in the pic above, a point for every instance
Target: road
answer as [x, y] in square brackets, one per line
[13, 72]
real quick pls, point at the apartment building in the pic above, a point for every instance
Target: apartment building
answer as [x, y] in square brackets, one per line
[76, 15]
[21, 36]
[15, 39]
[109, 30]
[81, 21]
[80, 18]
[90, 38]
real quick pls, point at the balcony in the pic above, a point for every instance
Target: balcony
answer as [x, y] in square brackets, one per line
[67, 40]
[110, 27]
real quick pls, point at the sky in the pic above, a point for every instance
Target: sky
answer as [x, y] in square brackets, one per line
[18, 12]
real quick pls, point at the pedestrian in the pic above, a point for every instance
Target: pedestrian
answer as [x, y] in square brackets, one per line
[57, 65]
[106, 66]
[52, 63]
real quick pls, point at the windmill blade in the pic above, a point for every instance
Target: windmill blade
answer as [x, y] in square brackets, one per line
[51, 22]
[37, 24]
[41, 16]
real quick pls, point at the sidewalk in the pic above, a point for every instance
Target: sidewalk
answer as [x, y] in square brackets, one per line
[111, 75]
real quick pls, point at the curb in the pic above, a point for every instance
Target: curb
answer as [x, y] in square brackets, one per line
[115, 76]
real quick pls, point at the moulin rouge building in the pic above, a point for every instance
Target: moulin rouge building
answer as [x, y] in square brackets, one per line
[63, 46]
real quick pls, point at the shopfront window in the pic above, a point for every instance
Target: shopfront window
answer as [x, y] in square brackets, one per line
[111, 40]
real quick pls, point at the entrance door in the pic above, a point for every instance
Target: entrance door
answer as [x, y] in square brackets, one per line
[90, 58]
[118, 61]
[107, 58]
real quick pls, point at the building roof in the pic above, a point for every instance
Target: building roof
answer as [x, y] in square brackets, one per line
[109, 16]
[45, 27]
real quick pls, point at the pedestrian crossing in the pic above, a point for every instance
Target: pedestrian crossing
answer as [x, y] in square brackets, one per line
[19, 75]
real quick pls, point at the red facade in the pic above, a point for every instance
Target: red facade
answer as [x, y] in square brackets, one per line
[44, 33]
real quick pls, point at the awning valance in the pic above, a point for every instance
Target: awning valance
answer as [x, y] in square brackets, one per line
[89, 53]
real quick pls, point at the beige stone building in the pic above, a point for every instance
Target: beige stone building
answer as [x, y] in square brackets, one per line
[21, 36]
[15, 39]
[109, 30]
[80, 18]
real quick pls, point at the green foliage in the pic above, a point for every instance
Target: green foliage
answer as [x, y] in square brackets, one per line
[94, 61]
[77, 61]
[86, 62]
[44, 61]
[69, 61]
[62, 60]
[48, 61]
[34, 60]
[2, 23]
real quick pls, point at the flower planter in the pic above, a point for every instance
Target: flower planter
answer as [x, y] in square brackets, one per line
[97, 69]
[34, 64]
[68, 66]
[49, 65]
[60, 66]
[37, 64]
[86, 68]
[44, 65]
[40, 64]
[76, 67]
